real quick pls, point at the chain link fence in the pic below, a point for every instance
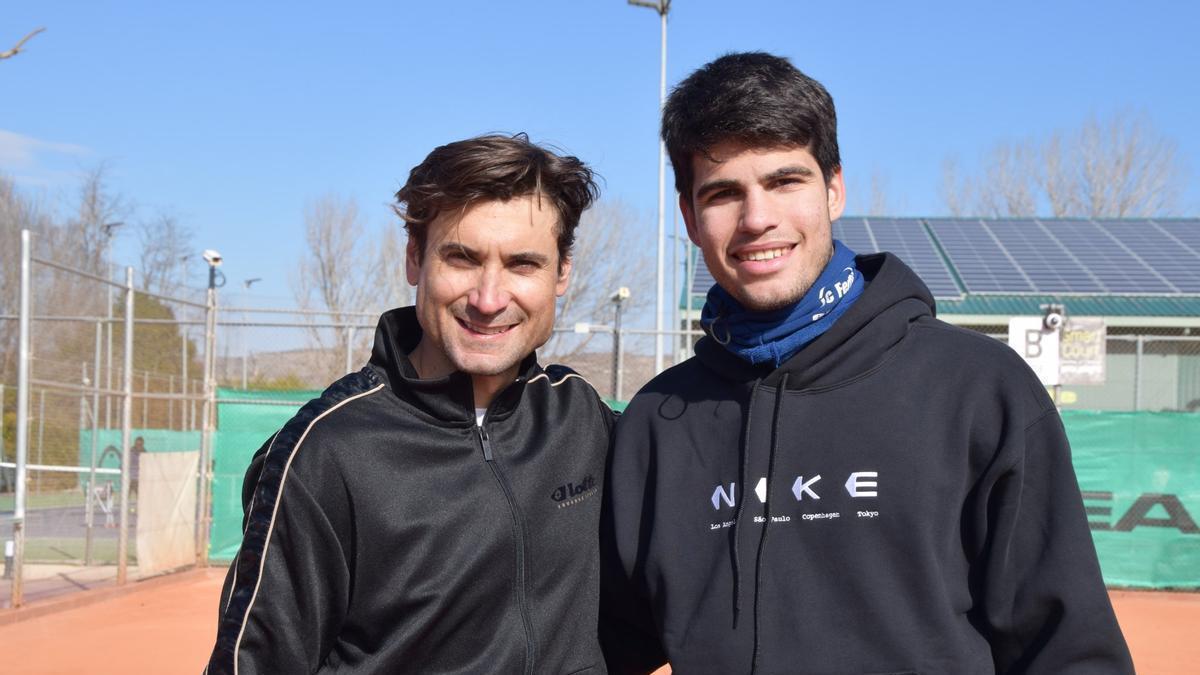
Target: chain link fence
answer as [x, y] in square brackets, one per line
[1146, 369]
[141, 410]
[103, 429]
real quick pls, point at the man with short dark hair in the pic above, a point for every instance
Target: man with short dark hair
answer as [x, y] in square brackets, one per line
[435, 511]
[836, 482]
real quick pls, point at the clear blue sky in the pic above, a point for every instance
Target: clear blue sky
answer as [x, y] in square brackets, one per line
[232, 115]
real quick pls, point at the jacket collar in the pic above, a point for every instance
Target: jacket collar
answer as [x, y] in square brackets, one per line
[449, 398]
[859, 340]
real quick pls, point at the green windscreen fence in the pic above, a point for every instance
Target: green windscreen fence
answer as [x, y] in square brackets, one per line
[107, 448]
[245, 420]
[1139, 473]
[1140, 477]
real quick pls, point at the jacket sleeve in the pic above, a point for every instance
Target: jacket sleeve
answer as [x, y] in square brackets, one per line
[286, 593]
[1045, 605]
[628, 636]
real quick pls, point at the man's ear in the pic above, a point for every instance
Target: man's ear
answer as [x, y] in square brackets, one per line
[689, 217]
[412, 262]
[836, 190]
[564, 277]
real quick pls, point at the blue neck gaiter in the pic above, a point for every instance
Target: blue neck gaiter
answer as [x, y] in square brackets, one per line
[774, 336]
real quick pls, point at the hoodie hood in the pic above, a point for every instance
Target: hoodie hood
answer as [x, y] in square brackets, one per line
[894, 298]
[450, 398]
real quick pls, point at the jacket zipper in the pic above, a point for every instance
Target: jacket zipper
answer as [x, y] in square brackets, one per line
[522, 603]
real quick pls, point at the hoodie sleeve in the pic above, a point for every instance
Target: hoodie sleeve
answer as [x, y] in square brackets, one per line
[285, 595]
[1046, 608]
[628, 636]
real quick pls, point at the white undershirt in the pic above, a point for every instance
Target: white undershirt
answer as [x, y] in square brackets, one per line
[479, 413]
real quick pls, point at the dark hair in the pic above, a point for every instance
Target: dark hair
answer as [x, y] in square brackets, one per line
[754, 97]
[495, 167]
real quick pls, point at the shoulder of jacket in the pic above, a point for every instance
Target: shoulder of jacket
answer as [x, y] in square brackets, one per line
[561, 379]
[991, 359]
[968, 340]
[555, 375]
[336, 398]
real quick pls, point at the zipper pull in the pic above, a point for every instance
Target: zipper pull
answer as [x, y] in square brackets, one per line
[486, 443]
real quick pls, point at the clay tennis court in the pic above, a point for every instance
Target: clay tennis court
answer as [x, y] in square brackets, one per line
[166, 625]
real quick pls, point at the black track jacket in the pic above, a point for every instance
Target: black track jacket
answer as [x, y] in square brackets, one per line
[387, 533]
[898, 497]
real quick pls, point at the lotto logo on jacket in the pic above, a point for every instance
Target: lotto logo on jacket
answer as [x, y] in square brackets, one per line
[573, 493]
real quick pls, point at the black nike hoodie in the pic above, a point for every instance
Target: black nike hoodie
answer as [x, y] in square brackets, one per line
[897, 497]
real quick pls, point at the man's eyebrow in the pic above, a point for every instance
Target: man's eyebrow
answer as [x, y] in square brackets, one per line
[448, 247]
[783, 171]
[719, 184]
[535, 258]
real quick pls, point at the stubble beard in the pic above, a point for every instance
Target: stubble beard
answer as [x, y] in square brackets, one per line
[789, 297]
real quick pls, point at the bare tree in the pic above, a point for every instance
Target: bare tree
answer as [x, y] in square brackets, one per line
[1009, 185]
[878, 195]
[1126, 168]
[1120, 167]
[957, 191]
[391, 288]
[17, 212]
[610, 252]
[339, 275]
[99, 212]
[165, 246]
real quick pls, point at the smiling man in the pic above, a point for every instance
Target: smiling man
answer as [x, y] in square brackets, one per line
[436, 512]
[837, 482]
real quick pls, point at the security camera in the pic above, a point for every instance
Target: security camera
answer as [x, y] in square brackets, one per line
[212, 257]
[620, 294]
[1053, 320]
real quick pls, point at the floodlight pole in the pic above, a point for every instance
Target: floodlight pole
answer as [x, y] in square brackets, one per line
[663, 7]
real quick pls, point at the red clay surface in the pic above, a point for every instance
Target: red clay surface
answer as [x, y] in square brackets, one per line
[167, 626]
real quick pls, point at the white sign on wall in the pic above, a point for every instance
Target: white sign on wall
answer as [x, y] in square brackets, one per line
[1038, 345]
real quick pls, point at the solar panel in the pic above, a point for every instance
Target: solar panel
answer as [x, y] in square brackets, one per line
[983, 264]
[1049, 266]
[907, 238]
[1185, 238]
[1157, 248]
[853, 232]
[1108, 258]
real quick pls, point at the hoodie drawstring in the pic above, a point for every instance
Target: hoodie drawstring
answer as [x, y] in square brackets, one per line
[762, 542]
[741, 502]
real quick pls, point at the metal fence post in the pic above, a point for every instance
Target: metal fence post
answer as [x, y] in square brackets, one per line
[108, 366]
[145, 399]
[208, 412]
[41, 450]
[83, 383]
[22, 424]
[89, 514]
[618, 354]
[185, 404]
[1137, 375]
[126, 432]
[349, 349]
